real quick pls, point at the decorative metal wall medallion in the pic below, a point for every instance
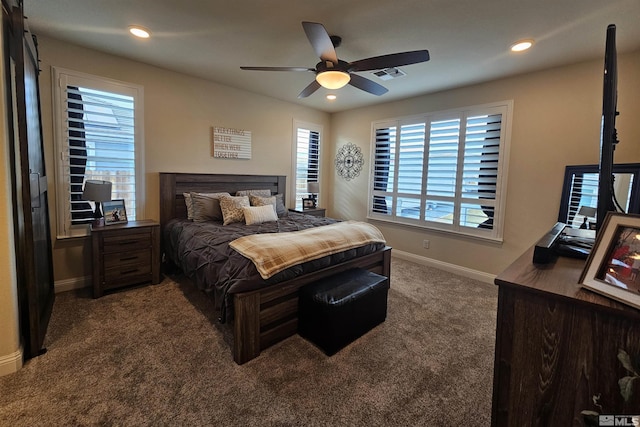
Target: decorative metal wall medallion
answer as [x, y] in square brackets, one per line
[349, 161]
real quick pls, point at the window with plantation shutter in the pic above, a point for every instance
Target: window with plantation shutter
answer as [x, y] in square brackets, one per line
[98, 137]
[443, 170]
[307, 160]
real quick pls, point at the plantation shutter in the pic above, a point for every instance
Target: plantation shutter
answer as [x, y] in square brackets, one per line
[307, 162]
[480, 170]
[103, 150]
[442, 169]
[383, 168]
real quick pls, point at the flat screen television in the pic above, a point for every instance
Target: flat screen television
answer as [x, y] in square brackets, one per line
[608, 133]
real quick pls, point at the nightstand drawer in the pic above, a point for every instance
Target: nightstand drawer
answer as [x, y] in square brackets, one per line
[128, 258]
[126, 242]
[126, 274]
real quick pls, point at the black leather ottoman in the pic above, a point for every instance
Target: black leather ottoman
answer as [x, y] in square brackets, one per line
[336, 310]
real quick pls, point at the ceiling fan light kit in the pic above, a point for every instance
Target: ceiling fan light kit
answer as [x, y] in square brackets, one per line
[333, 79]
[333, 73]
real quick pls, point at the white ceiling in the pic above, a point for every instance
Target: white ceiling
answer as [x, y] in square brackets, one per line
[468, 39]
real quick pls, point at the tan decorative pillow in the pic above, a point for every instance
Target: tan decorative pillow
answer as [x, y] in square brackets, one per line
[259, 214]
[263, 201]
[232, 208]
[206, 206]
[259, 193]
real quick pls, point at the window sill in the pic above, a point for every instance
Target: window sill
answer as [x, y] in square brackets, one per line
[451, 233]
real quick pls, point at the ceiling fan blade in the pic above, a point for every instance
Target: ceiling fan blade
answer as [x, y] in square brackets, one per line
[367, 85]
[390, 61]
[320, 40]
[277, 69]
[313, 86]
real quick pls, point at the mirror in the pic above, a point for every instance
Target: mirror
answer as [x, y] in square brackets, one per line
[580, 193]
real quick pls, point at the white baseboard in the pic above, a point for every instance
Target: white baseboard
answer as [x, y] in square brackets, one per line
[451, 268]
[71, 284]
[11, 363]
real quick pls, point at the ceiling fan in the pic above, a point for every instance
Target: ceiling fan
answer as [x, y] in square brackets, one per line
[334, 73]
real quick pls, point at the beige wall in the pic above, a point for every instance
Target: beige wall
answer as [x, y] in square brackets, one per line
[556, 122]
[178, 114]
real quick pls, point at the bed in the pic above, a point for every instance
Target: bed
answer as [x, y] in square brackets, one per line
[261, 312]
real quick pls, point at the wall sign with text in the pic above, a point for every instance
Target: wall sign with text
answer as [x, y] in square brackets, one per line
[229, 143]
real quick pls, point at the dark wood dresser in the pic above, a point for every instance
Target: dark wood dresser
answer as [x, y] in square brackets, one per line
[557, 345]
[125, 254]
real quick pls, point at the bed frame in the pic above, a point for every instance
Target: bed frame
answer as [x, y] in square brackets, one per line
[266, 316]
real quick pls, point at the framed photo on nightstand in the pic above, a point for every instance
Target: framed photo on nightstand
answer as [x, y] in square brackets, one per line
[308, 204]
[114, 212]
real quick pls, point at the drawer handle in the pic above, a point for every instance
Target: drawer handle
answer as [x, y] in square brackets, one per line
[129, 271]
[128, 258]
[128, 242]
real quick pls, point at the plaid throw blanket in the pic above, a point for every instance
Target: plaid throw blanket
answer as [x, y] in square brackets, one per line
[274, 252]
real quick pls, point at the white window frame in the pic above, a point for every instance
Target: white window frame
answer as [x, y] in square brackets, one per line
[493, 234]
[60, 78]
[298, 194]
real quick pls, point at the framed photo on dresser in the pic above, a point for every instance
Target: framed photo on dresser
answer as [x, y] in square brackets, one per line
[613, 266]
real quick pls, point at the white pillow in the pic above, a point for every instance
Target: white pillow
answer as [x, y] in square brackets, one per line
[259, 214]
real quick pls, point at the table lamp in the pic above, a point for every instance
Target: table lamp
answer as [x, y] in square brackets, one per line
[97, 191]
[313, 188]
[586, 212]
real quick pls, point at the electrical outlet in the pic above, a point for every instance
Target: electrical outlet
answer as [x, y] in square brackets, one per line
[425, 244]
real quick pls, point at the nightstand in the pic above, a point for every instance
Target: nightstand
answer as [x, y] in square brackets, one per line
[125, 254]
[311, 211]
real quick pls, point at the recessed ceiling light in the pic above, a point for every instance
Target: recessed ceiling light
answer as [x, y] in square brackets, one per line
[521, 45]
[331, 97]
[140, 32]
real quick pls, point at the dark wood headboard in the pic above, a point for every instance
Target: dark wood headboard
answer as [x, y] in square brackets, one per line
[173, 185]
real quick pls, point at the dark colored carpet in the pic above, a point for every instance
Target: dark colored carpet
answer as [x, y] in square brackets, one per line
[155, 355]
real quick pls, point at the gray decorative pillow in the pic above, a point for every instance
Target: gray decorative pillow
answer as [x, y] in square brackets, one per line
[189, 203]
[259, 193]
[206, 206]
[281, 209]
[232, 208]
[263, 201]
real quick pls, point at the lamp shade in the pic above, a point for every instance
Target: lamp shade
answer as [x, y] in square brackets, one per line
[587, 211]
[333, 79]
[97, 190]
[313, 187]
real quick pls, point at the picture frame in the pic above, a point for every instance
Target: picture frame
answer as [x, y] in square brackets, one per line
[308, 204]
[613, 266]
[114, 212]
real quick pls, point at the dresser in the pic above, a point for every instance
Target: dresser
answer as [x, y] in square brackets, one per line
[557, 347]
[125, 254]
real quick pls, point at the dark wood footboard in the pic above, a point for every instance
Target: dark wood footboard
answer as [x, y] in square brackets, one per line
[267, 316]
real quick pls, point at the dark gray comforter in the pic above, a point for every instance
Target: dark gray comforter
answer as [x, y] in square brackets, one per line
[201, 250]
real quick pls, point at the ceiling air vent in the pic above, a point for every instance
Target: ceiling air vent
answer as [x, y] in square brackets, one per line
[389, 73]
